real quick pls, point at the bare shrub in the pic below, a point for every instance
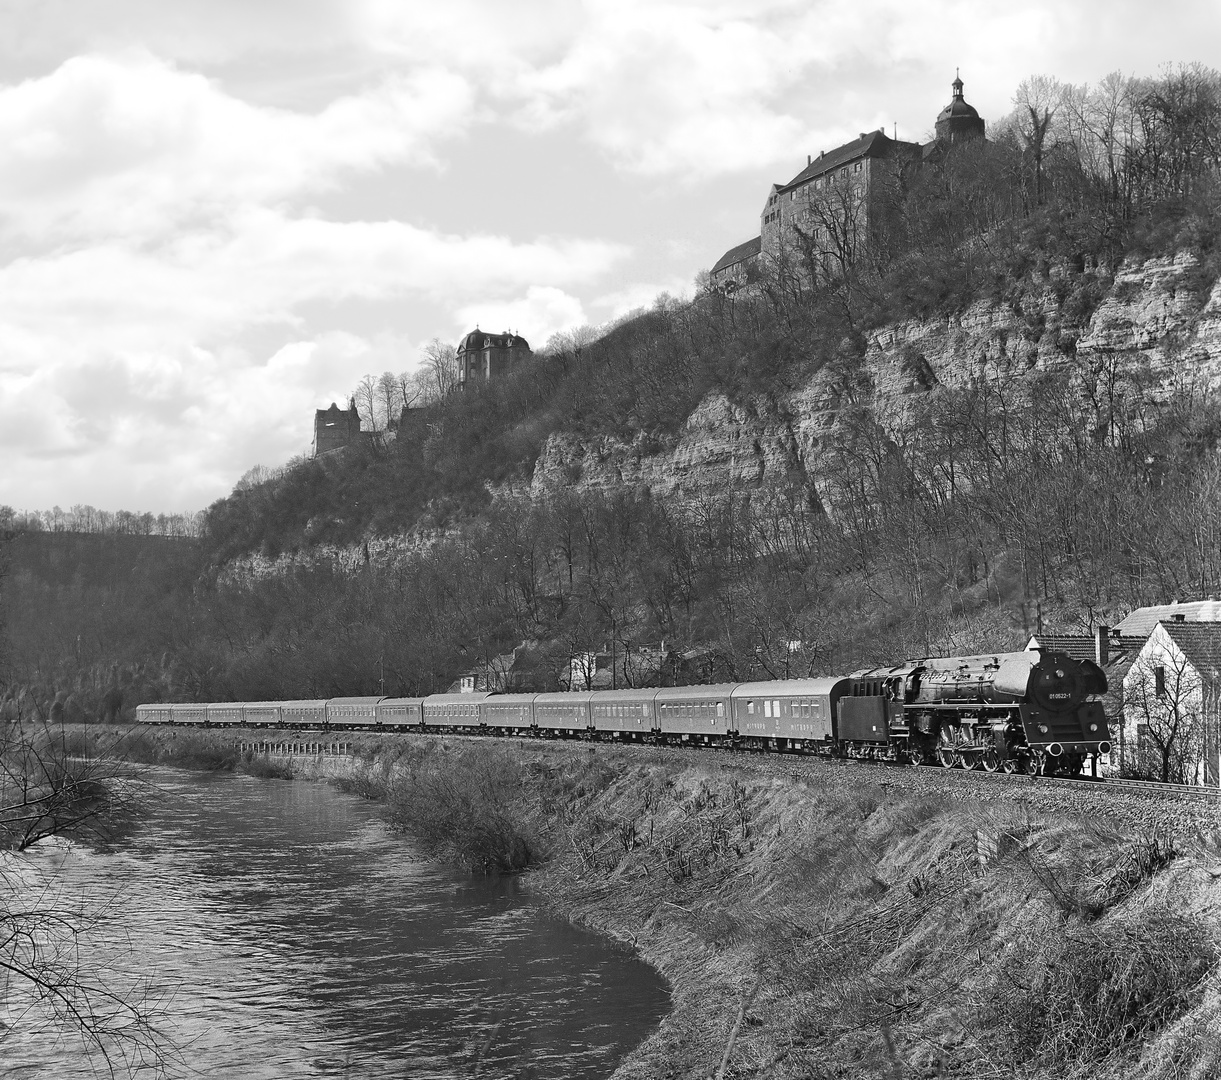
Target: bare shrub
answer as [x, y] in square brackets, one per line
[265, 768]
[1105, 991]
[469, 805]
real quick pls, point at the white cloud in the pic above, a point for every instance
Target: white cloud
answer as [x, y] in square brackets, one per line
[541, 312]
[640, 295]
[130, 146]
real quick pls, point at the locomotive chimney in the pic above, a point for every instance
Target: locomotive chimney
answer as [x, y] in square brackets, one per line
[1102, 645]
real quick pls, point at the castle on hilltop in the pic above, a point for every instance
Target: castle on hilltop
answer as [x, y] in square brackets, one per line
[489, 356]
[335, 428]
[829, 203]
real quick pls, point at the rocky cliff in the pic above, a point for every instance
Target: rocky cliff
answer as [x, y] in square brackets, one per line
[1157, 321]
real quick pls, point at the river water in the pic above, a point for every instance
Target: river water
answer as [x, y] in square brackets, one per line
[286, 933]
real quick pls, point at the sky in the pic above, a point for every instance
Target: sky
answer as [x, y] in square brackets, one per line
[217, 215]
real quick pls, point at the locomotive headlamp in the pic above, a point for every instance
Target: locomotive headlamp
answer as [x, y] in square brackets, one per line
[1044, 728]
[1093, 727]
[1059, 673]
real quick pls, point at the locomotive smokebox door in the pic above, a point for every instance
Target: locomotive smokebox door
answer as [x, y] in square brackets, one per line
[864, 719]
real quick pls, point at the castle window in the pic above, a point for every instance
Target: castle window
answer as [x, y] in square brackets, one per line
[857, 167]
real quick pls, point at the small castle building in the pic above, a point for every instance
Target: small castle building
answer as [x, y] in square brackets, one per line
[484, 357]
[335, 428]
[829, 205]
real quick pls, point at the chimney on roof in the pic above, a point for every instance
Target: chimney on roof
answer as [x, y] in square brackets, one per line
[809, 160]
[1102, 645]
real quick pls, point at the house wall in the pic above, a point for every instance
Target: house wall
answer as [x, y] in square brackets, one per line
[1182, 711]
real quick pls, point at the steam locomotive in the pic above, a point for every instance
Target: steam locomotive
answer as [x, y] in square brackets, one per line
[1035, 711]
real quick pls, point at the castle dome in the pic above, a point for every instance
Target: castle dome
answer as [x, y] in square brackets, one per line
[958, 120]
[473, 341]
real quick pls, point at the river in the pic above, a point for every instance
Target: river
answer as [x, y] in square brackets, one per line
[287, 933]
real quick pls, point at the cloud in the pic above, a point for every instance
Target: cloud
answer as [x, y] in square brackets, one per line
[152, 222]
[131, 146]
[640, 295]
[541, 312]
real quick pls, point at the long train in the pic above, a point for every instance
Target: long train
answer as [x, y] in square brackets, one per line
[1035, 711]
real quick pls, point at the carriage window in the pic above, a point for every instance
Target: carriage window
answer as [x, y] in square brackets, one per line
[720, 708]
[775, 708]
[767, 707]
[750, 708]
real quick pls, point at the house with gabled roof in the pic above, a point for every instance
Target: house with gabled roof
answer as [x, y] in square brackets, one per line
[1172, 705]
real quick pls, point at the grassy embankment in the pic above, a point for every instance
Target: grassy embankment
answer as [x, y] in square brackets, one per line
[812, 930]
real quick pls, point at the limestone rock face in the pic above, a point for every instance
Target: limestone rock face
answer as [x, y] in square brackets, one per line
[1160, 316]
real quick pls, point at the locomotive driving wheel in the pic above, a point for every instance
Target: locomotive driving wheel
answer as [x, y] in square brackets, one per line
[990, 759]
[948, 743]
[1032, 763]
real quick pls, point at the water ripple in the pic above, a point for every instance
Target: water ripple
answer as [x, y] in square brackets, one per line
[290, 935]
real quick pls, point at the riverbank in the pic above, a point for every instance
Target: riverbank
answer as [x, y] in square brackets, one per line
[823, 927]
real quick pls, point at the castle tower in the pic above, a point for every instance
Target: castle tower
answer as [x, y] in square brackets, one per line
[335, 428]
[958, 121]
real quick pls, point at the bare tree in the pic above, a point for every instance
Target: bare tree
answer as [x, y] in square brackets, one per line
[439, 370]
[1165, 696]
[389, 399]
[1037, 101]
[52, 964]
[366, 397]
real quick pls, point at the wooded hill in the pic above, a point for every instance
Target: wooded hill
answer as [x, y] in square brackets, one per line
[996, 414]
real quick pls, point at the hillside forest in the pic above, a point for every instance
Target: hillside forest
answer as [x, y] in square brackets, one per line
[1055, 489]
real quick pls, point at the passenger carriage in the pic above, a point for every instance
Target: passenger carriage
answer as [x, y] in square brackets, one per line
[261, 714]
[308, 713]
[695, 713]
[154, 714]
[508, 714]
[457, 712]
[563, 713]
[400, 712]
[797, 714]
[624, 714]
[225, 714]
[352, 712]
[189, 715]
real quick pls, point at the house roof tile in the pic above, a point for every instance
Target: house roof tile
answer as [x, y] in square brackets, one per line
[870, 144]
[1142, 621]
[1082, 647]
[1201, 644]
